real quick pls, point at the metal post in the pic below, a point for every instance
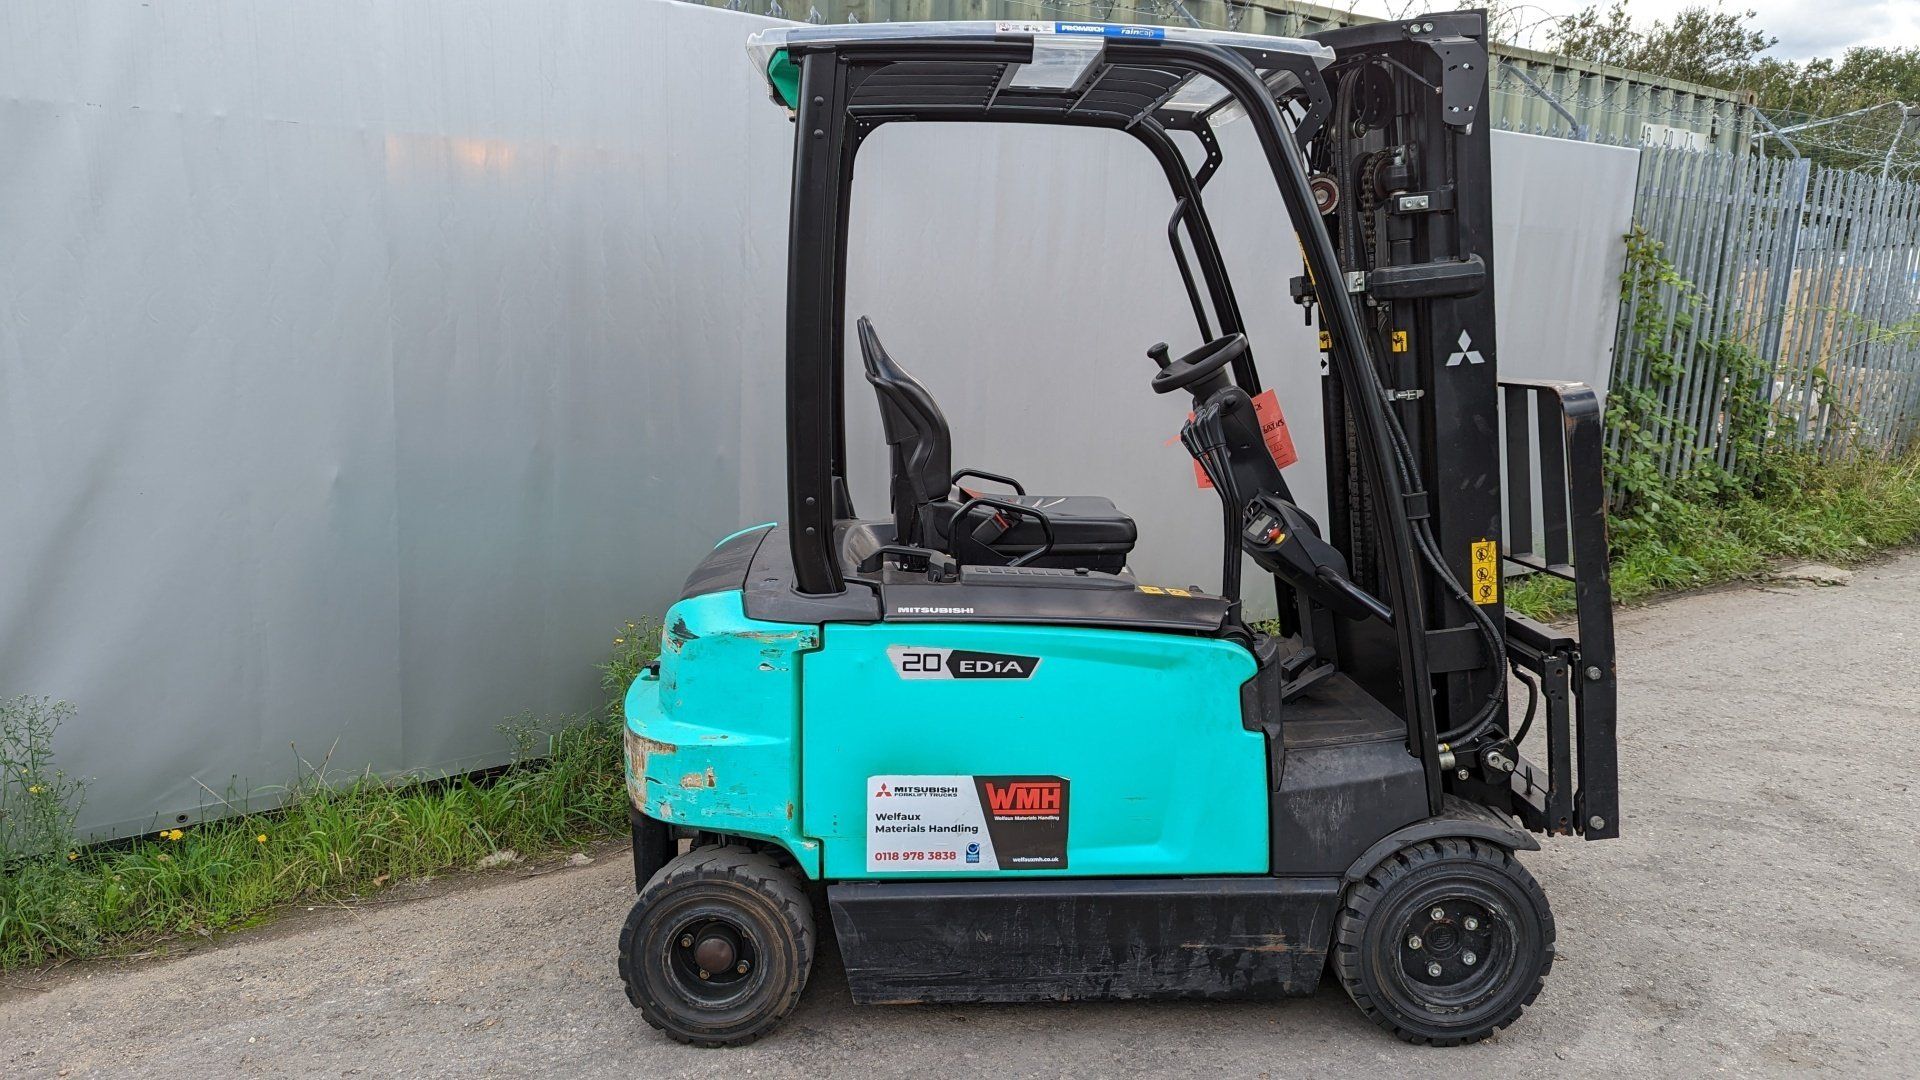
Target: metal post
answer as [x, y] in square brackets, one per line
[1783, 275]
[1887, 162]
[1774, 131]
[1581, 133]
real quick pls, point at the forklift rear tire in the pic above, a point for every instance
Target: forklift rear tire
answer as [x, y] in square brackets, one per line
[1445, 942]
[717, 949]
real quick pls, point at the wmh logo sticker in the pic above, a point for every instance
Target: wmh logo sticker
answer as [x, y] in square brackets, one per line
[1023, 798]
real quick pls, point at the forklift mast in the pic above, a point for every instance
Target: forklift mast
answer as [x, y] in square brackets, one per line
[1405, 183]
[1402, 176]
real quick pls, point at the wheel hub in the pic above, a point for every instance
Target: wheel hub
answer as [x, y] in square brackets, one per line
[711, 960]
[714, 953]
[1448, 945]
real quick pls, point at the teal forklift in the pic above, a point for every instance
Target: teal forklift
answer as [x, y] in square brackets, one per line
[1005, 768]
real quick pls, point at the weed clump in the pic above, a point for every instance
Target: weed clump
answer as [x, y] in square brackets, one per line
[327, 839]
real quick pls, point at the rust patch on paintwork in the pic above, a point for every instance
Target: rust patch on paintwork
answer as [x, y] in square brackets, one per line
[789, 811]
[774, 637]
[666, 809]
[640, 748]
[677, 636]
[698, 780]
[651, 746]
[1265, 943]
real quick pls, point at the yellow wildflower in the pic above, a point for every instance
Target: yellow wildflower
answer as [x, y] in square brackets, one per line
[261, 839]
[35, 789]
[173, 834]
[72, 855]
[616, 641]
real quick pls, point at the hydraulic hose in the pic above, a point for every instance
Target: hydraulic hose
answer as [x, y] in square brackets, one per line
[1533, 702]
[1206, 439]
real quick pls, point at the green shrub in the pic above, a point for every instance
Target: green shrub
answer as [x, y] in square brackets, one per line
[1694, 533]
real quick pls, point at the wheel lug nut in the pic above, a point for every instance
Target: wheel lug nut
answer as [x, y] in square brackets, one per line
[1471, 923]
[741, 967]
[1413, 942]
[1438, 914]
[1468, 958]
[686, 941]
[1433, 970]
[704, 974]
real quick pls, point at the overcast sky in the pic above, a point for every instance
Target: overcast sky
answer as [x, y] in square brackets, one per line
[1805, 28]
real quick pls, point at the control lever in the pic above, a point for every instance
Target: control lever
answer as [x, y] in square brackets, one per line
[1285, 542]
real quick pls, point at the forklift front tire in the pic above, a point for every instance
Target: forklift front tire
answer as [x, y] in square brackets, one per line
[717, 949]
[1444, 942]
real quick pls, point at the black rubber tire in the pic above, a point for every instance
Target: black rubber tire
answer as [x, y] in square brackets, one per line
[735, 885]
[1368, 939]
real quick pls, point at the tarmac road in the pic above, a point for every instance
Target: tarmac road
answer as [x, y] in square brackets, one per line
[1760, 916]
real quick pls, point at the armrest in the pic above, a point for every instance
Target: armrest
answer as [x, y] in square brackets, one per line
[979, 501]
[995, 477]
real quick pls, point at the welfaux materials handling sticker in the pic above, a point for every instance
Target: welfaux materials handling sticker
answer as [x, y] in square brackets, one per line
[917, 824]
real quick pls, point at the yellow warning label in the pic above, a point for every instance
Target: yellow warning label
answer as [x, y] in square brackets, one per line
[1486, 572]
[1178, 592]
[1399, 341]
[1326, 341]
[1154, 590]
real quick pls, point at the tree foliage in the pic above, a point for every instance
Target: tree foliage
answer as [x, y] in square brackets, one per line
[1724, 48]
[1698, 44]
[1826, 87]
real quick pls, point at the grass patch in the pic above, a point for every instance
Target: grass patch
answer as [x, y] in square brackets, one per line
[1706, 531]
[330, 840]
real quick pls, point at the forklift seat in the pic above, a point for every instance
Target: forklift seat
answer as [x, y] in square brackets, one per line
[1088, 531]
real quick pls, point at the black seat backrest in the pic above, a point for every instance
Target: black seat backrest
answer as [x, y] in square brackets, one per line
[917, 432]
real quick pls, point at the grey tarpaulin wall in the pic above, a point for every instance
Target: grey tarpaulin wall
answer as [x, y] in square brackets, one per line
[364, 366]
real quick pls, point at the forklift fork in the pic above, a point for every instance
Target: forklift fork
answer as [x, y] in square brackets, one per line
[1552, 452]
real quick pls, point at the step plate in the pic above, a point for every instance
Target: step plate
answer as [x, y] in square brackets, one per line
[921, 942]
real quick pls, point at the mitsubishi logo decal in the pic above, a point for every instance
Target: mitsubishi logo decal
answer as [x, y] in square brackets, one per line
[1467, 353]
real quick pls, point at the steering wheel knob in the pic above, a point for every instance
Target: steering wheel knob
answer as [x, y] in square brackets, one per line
[1196, 366]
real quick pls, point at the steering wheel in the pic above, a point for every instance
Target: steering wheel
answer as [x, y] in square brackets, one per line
[1197, 365]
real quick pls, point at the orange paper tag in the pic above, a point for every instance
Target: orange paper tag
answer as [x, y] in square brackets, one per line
[1273, 426]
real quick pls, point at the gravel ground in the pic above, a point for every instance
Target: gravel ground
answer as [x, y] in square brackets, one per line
[1760, 916]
